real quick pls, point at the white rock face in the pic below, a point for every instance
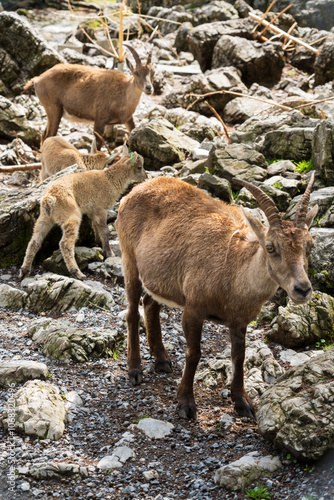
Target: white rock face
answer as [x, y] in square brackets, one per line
[15, 372]
[297, 412]
[237, 475]
[117, 459]
[154, 428]
[53, 470]
[39, 411]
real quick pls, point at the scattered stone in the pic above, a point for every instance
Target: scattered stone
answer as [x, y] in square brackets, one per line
[117, 459]
[239, 474]
[155, 429]
[55, 470]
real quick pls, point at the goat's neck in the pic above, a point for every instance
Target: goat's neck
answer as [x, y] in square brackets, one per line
[256, 277]
[133, 93]
[119, 178]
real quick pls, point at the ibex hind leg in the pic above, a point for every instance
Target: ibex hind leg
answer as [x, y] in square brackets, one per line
[42, 227]
[70, 234]
[133, 289]
[153, 331]
[242, 402]
[54, 113]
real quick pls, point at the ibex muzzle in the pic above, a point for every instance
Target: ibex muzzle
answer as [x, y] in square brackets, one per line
[214, 261]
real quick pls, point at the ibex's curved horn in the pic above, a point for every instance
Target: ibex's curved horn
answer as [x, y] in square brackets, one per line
[149, 57]
[134, 53]
[265, 202]
[300, 216]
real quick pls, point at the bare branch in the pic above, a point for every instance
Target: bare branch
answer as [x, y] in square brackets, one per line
[220, 119]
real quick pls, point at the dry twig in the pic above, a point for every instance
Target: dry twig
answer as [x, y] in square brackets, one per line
[220, 119]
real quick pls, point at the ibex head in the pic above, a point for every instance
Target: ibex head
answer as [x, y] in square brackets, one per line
[142, 72]
[287, 245]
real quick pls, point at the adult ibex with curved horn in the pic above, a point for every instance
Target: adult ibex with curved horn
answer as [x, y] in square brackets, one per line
[214, 261]
[83, 93]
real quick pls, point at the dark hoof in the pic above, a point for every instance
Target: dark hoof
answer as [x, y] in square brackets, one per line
[245, 410]
[136, 377]
[187, 411]
[164, 366]
[23, 273]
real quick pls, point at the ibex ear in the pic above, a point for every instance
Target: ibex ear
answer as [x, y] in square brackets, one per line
[256, 226]
[129, 65]
[310, 215]
[93, 148]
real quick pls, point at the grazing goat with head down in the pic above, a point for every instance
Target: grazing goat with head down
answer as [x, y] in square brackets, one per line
[58, 154]
[68, 198]
[82, 93]
[213, 260]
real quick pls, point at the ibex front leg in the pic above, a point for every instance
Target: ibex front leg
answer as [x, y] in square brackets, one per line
[153, 331]
[70, 234]
[133, 289]
[192, 328]
[242, 402]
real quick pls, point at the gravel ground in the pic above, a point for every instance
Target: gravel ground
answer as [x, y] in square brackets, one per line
[185, 461]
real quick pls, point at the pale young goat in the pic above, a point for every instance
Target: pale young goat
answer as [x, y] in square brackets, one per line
[58, 154]
[99, 96]
[214, 261]
[68, 198]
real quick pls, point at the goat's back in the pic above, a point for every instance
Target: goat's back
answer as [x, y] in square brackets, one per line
[56, 155]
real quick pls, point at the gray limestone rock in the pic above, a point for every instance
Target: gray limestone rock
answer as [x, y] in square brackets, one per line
[63, 341]
[290, 144]
[15, 372]
[258, 62]
[51, 292]
[324, 62]
[302, 325]
[11, 297]
[155, 429]
[24, 53]
[321, 263]
[14, 122]
[237, 475]
[160, 143]
[83, 256]
[237, 160]
[54, 470]
[297, 412]
[116, 461]
[324, 198]
[323, 151]
[39, 411]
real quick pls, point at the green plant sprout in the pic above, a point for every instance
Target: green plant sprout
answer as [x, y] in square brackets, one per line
[304, 166]
[258, 492]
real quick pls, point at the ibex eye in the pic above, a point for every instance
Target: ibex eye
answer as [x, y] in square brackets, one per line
[270, 249]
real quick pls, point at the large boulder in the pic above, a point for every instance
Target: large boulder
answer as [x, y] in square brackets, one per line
[23, 53]
[324, 198]
[214, 83]
[63, 341]
[297, 412]
[324, 63]
[160, 143]
[14, 123]
[203, 38]
[258, 62]
[323, 150]
[303, 325]
[39, 411]
[237, 160]
[290, 144]
[321, 262]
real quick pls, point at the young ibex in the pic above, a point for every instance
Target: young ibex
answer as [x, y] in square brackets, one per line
[213, 260]
[104, 97]
[58, 154]
[66, 200]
